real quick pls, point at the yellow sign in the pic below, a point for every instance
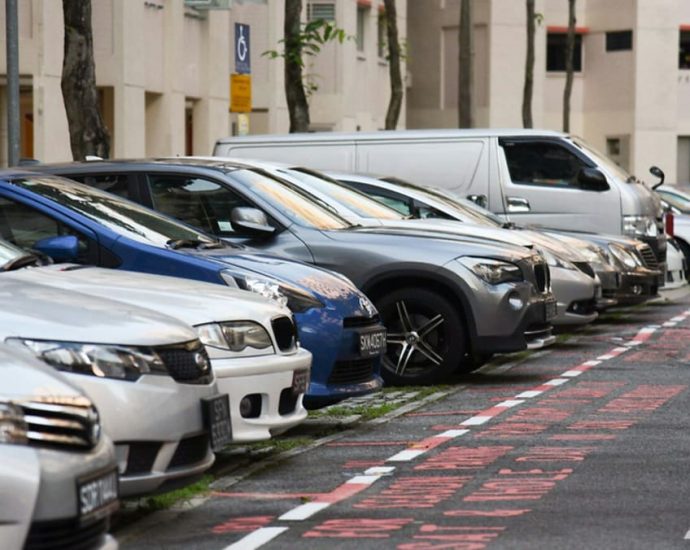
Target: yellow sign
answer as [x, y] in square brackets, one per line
[240, 93]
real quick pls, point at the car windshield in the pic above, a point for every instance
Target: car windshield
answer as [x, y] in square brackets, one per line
[297, 206]
[602, 160]
[468, 211]
[359, 203]
[119, 215]
[9, 253]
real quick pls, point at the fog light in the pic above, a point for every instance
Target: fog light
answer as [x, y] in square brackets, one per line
[637, 290]
[250, 406]
[515, 301]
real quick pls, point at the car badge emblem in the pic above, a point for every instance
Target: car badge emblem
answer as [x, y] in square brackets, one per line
[201, 361]
[366, 305]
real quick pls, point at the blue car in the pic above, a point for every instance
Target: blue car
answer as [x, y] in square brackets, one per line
[336, 322]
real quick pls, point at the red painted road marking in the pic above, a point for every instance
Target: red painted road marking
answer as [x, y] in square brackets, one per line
[358, 528]
[496, 513]
[464, 458]
[414, 492]
[242, 524]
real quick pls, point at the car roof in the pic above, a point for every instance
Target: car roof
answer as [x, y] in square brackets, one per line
[113, 165]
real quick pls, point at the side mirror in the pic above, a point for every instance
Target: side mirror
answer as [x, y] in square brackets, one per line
[251, 222]
[591, 179]
[60, 249]
[657, 173]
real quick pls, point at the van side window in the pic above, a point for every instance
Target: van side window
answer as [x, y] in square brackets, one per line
[541, 163]
[201, 203]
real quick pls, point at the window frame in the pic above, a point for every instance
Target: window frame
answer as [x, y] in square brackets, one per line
[578, 53]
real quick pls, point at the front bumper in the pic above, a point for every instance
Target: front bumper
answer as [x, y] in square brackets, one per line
[266, 383]
[638, 286]
[338, 370]
[576, 293]
[43, 503]
[157, 427]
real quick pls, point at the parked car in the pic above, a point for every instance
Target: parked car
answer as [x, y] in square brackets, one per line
[676, 199]
[624, 279]
[528, 176]
[251, 341]
[336, 322]
[147, 373]
[58, 475]
[577, 292]
[441, 299]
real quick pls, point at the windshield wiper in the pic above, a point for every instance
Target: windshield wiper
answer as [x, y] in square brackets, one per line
[22, 261]
[176, 244]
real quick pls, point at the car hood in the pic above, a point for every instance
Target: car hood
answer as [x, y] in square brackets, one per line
[192, 302]
[26, 378]
[333, 290]
[445, 245]
[41, 312]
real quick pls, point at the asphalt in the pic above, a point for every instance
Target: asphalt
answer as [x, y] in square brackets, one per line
[582, 445]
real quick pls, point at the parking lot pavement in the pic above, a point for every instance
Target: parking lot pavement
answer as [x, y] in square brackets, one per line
[582, 445]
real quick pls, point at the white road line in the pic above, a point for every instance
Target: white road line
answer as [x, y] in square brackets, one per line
[528, 394]
[572, 373]
[257, 538]
[405, 456]
[605, 357]
[556, 382]
[476, 420]
[363, 480]
[510, 403]
[591, 363]
[670, 324]
[452, 433]
[379, 470]
[687, 536]
[304, 511]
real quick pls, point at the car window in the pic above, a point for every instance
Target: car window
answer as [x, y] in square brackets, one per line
[24, 226]
[197, 201]
[117, 184]
[541, 163]
[399, 203]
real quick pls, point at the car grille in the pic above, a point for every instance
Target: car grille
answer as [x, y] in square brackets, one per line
[285, 332]
[65, 535]
[542, 277]
[648, 256]
[187, 363]
[62, 423]
[190, 450]
[356, 371]
[359, 322]
[585, 268]
[141, 457]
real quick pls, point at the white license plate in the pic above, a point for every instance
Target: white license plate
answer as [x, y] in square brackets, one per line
[300, 381]
[216, 412]
[97, 496]
[550, 310]
[372, 343]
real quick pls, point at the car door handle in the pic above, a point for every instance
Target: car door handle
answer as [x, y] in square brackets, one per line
[518, 204]
[481, 200]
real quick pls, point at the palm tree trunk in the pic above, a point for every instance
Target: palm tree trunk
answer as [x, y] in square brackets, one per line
[465, 66]
[569, 51]
[298, 108]
[395, 103]
[528, 89]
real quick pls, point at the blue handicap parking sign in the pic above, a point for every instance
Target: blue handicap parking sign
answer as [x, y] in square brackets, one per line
[242, 58]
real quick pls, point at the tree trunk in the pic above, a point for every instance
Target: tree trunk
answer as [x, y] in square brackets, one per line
[395, 103]
[529, 68]
[465, 66]
[87, 131]
[569, 51]
[298, 107]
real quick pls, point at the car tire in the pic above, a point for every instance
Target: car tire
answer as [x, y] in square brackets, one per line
[426, 337]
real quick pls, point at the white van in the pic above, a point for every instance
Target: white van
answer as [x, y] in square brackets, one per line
[528, 176]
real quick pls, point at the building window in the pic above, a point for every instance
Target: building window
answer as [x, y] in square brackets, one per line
[321, 10]
[684, 50]
[618, 41]
[382, 36]
[555, 52]
[362, 13]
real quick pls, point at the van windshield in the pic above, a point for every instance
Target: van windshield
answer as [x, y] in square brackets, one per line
[602, 160]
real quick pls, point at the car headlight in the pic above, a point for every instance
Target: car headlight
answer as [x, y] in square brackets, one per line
[242, 337]
[104, 361]
[555, 260]
[639, 226]
[13, 427]
[492, 271]
[284, 294]
[625, 257]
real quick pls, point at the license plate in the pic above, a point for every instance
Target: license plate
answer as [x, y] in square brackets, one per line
[300, 381]
[372, 343]
[97, 496]
[216, 413]
[550, 310]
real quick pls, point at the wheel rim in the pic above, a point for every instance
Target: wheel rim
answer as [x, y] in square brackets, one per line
[415, 341]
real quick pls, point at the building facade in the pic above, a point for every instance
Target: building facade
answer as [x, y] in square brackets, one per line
[631, 91]
[163, 70]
